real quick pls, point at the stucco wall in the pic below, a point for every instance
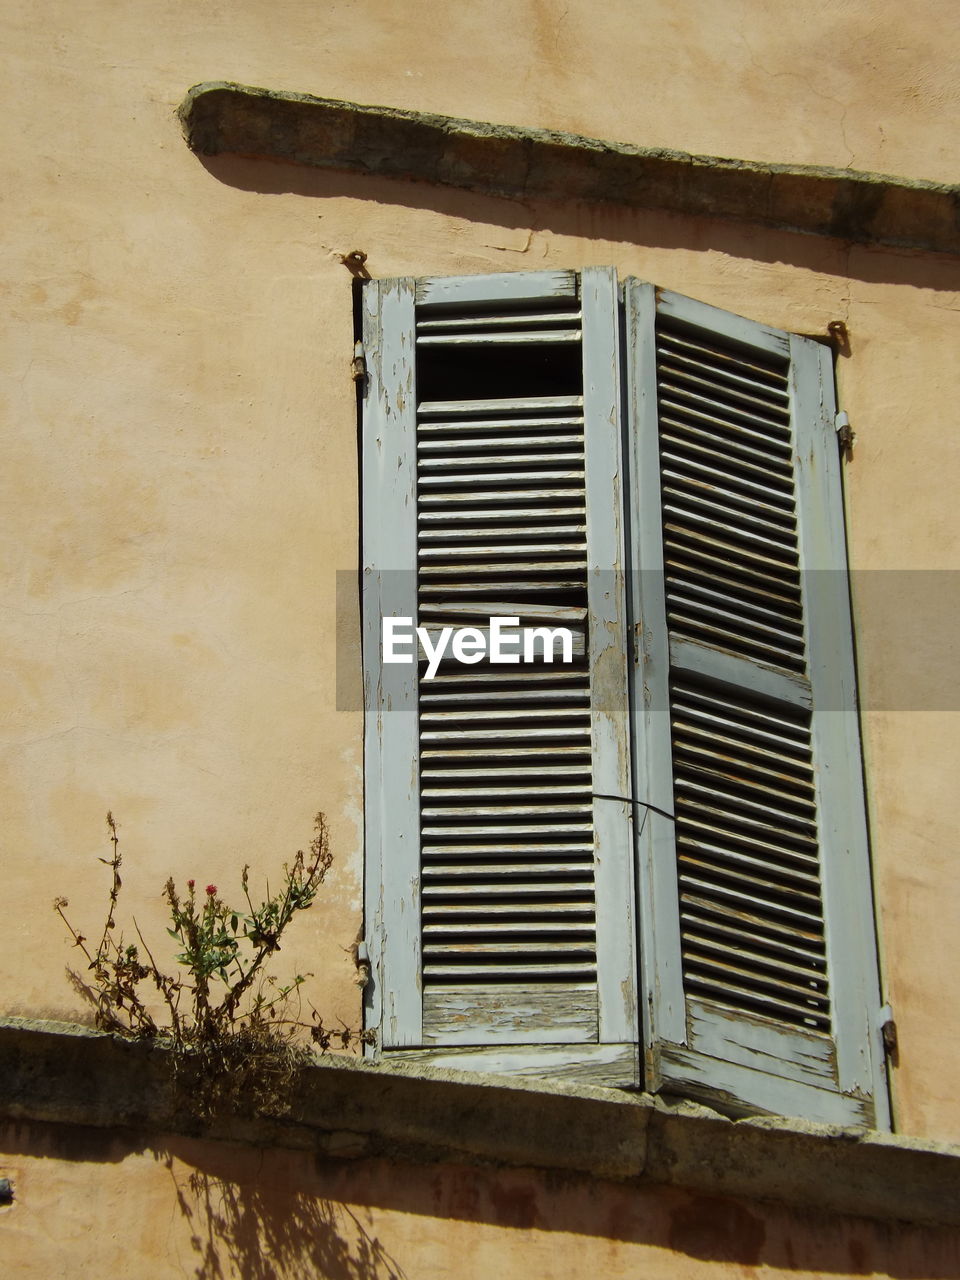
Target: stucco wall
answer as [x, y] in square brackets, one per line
[189, 1207]
[180, 478]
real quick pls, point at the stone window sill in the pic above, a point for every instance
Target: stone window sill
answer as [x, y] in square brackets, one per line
[346, 1109]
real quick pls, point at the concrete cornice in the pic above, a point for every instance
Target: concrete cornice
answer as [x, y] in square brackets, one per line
[67, 1075]
[220, 118]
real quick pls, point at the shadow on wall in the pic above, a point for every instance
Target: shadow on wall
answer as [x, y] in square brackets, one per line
[642, 227]
[235, 1234]
[254, 1232]
[283, 1214]
[288, 1215]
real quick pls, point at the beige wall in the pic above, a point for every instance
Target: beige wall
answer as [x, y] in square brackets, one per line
[185, 1207]
[179, 468]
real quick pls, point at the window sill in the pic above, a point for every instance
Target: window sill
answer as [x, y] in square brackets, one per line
[59, 1073]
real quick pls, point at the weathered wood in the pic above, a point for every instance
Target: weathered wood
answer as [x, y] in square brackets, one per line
[391, 748]
[513, 338]
[752, 933]
[730, 670]
[612, 1065]
[610, 736]
[482, 409]
[506, 320]
[559, 908]
[848, 898]
[521, 286]
[508, 973]
[522, 1014]
[745, 1090]
[484, 479]
[662, 999]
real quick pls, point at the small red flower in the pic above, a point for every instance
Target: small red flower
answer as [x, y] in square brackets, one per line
[211, 889]
[191, 883]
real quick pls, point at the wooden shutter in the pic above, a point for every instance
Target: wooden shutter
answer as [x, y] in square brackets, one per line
[758, 945]
[499, 879]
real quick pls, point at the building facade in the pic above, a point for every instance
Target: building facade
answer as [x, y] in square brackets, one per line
[193, 518]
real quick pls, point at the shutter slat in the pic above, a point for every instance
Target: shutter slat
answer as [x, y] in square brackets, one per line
[505, 320]
[736, 370]
[682, 541]
[491, 972]
[490, 697]
[541, 613]
[580, 751]
[482, 409]
[573, 511]
[571, 534]
[479, 873]
[743, 484]
[752, 458]
[504, 928]
[516, 338]
[453, 449]
[513, 893]
[551, 847]
[468, 433]
[743, 428]
[506, 499]
[446, 465]
[705, 920]
[687, 373]
[486, 909]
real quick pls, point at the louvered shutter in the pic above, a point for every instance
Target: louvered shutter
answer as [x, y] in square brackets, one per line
[758, 949]
[499, 828]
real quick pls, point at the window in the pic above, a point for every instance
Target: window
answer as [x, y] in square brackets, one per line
[646, 866]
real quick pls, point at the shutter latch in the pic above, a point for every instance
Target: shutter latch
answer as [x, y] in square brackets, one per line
[888, 1029]
[845, 433]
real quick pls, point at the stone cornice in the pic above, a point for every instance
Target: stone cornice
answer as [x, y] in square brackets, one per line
[220, 118]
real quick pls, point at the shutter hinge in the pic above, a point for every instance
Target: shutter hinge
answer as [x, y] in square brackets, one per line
[358, 365]
[888, 1029]
[845, 433]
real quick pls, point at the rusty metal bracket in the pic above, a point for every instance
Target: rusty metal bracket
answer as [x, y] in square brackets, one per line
[358, 365]
[888, 1029]
[845, 433]
[361, 957]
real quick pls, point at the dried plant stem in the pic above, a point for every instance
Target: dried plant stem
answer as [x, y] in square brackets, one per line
[234, 1047]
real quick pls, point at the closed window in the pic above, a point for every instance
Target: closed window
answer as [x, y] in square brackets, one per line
[644, 866]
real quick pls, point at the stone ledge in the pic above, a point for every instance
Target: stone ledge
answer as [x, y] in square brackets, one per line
[220, 118]
[63, 1074]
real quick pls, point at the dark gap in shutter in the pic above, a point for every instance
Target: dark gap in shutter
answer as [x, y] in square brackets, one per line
[513, 352]
[505, 764]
